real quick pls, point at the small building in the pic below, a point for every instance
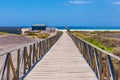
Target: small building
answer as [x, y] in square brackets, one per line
[39, 27]
[23, 30]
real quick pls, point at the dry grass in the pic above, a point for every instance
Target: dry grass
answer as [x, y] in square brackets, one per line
[38, 35]
[3, 33]
[116, 51]
[109, 42]
[100, 39]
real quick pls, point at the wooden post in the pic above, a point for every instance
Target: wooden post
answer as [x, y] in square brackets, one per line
[24, 60]
[13, 69]
[18, 63]
[97, 63]
[100, 65]
[90, 56]
[39, 49]
[33, 53]
[30, 54]
[8, 67]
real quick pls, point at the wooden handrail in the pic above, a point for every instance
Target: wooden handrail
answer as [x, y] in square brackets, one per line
[18, 62]
[105, 65]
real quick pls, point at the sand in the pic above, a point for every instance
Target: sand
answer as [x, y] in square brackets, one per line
[10, 41]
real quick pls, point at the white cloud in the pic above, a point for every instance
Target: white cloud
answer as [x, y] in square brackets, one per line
[79, 2]
[116, 3]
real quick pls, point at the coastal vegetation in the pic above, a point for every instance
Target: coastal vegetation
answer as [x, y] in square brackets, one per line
[59, 32]
[106, 40]
[3, 33]
[38, 35]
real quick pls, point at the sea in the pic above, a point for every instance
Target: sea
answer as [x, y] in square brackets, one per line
[89, 28]
[112, 28]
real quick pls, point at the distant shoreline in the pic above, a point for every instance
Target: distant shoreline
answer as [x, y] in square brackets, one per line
[87, 30]
[76, 28]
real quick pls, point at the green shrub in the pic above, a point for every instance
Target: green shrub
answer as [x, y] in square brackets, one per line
[98, 44]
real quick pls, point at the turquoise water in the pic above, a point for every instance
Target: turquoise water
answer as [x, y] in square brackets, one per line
[85, 27]
[88, 28]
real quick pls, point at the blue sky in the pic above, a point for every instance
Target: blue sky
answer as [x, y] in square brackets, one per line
[60, 12]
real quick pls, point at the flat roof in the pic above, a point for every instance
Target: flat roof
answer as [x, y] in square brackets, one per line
[39, 25]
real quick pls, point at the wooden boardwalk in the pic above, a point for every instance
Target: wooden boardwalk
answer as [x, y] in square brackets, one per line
[62, 62]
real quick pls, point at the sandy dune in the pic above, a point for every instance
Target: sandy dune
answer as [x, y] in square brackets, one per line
[10, 41]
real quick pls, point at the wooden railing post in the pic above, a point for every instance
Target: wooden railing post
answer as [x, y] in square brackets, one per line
[13, 69]
[111, 68]
[100, 65]
[8, 67]
[30, 54]
[18, 63]
[25, 60]
[90, 56]
[40, 49]
[34, 53]
[97, 63]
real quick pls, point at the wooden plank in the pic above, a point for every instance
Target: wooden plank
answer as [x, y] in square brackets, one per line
[62, 62]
